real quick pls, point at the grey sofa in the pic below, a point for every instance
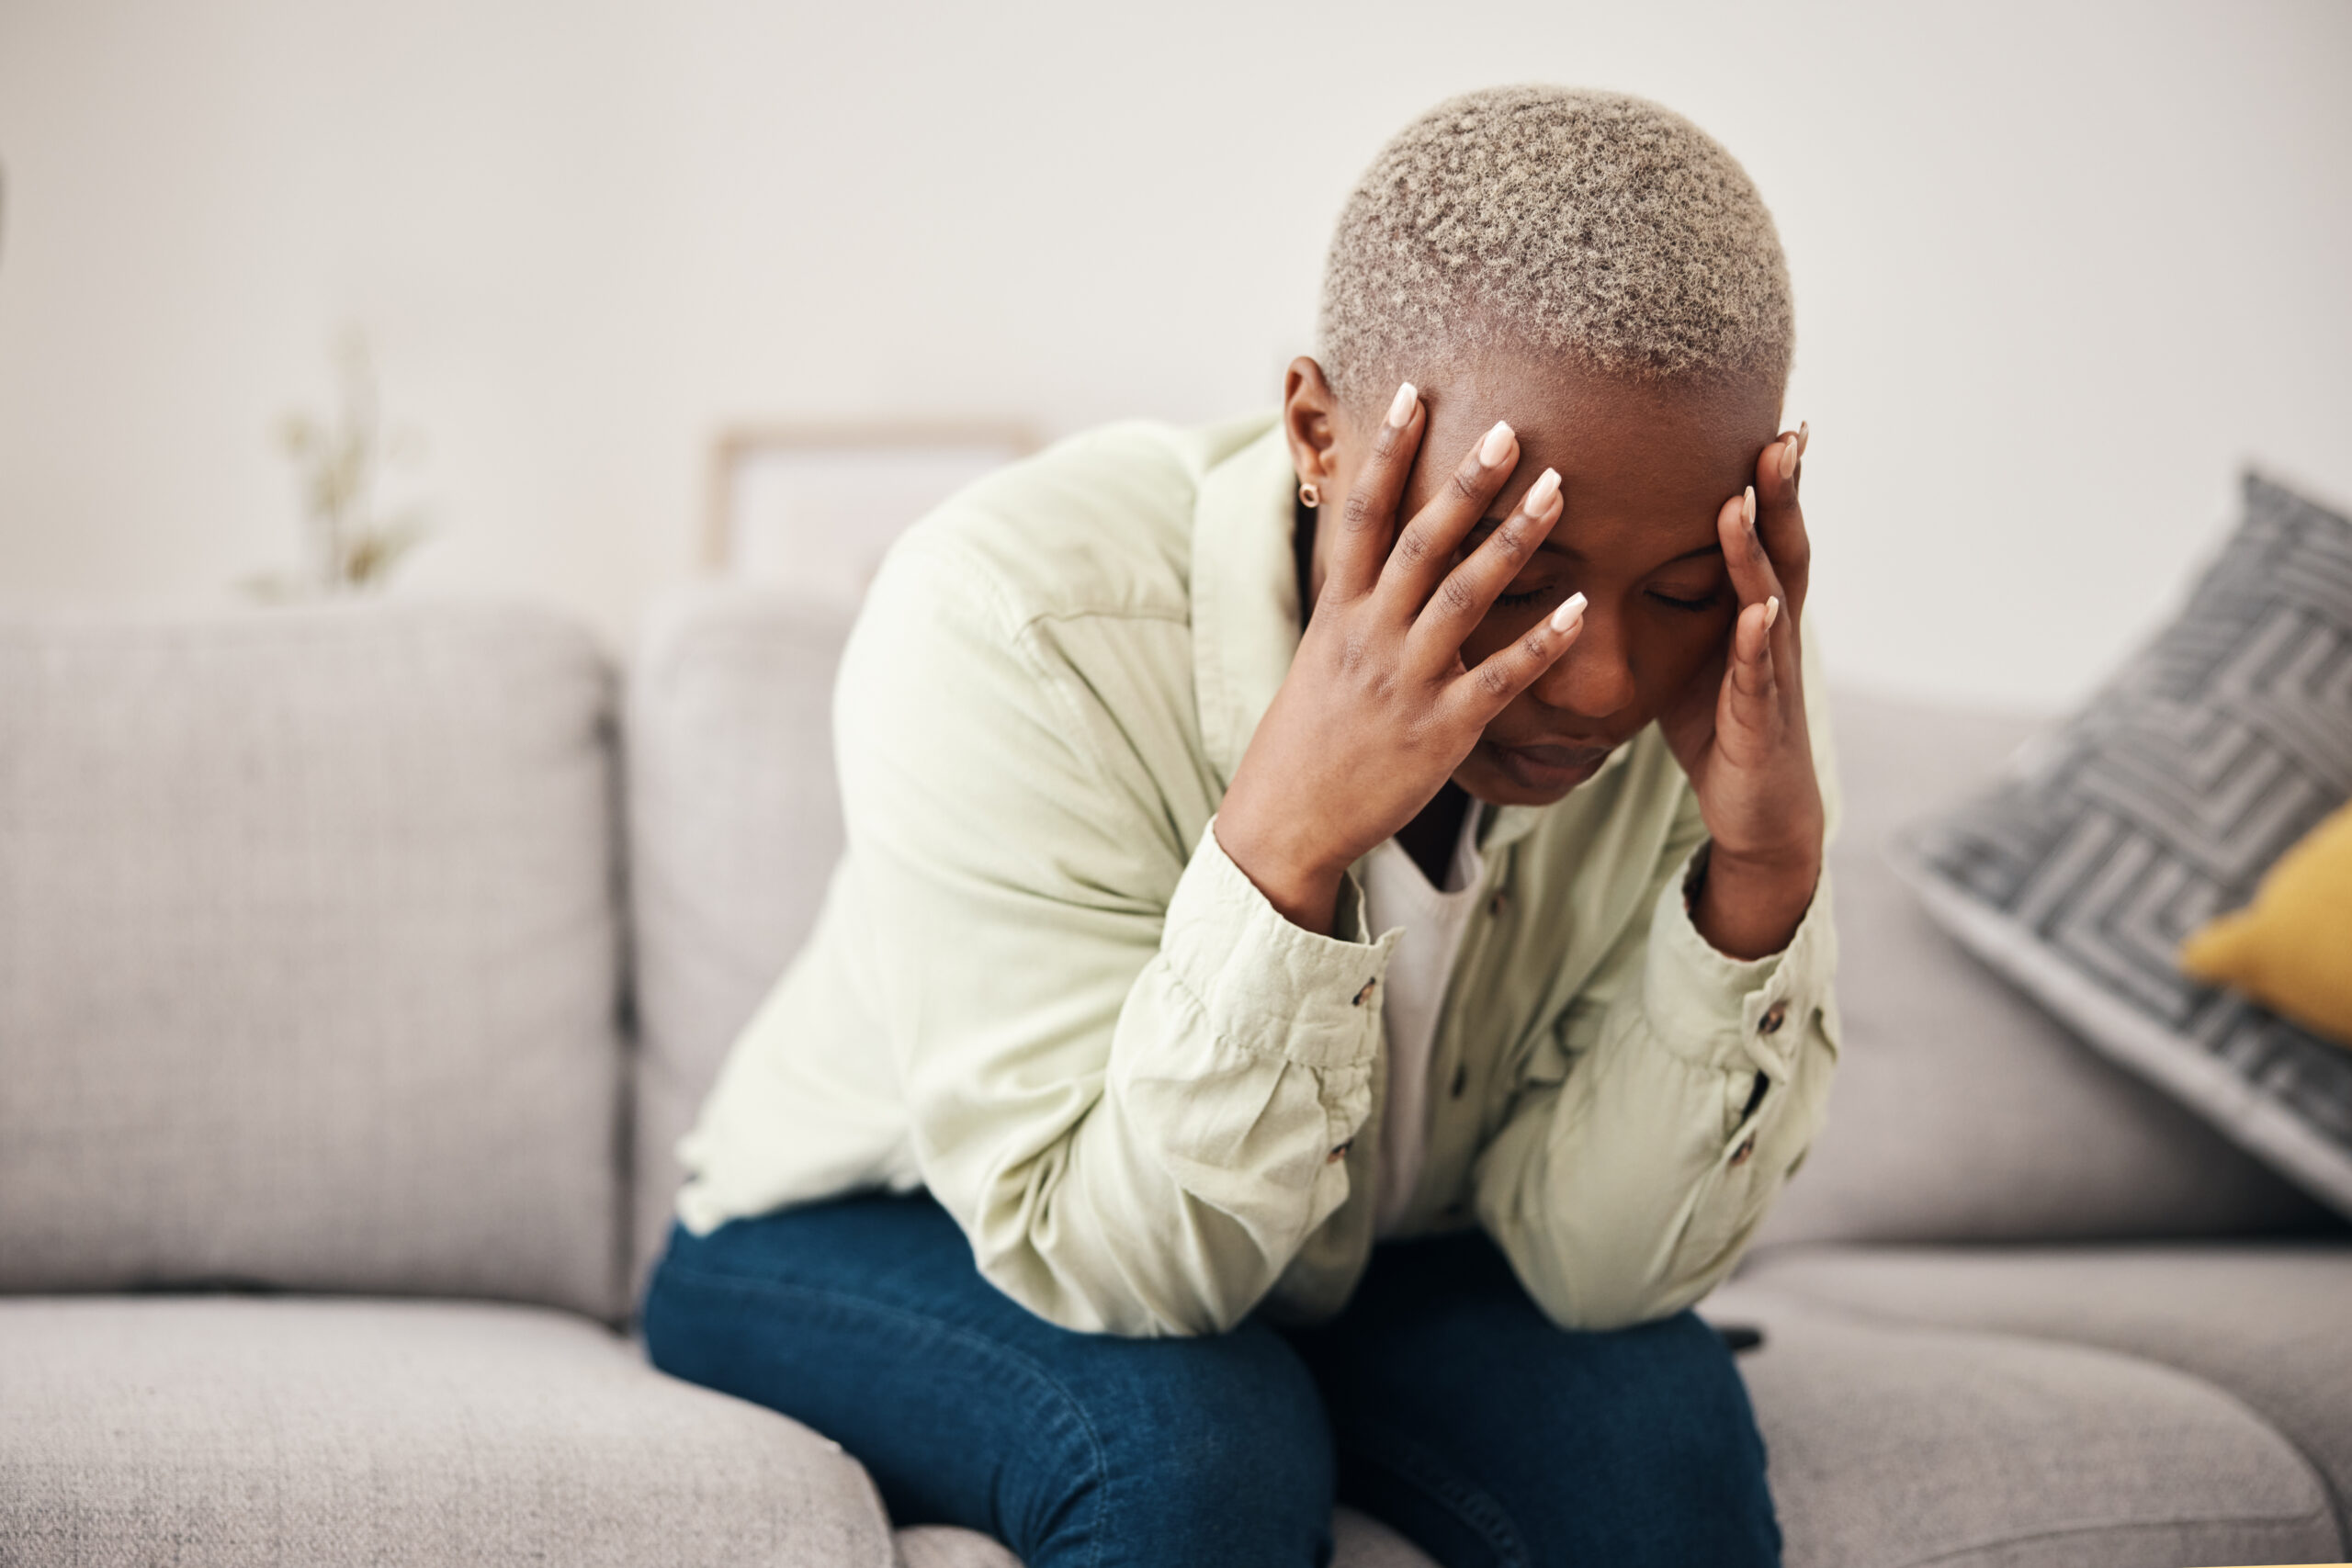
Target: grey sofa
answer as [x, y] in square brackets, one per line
[358, 967]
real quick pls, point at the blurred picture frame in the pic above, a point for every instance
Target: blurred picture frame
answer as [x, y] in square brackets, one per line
[812, 508]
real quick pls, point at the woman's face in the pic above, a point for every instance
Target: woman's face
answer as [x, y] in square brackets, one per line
[1645, 469]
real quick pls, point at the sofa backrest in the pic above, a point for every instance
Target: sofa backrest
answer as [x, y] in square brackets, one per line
[308, 956]
[1961, 1112]
[735, 826]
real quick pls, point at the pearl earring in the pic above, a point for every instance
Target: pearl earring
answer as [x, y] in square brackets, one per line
[1308, 494]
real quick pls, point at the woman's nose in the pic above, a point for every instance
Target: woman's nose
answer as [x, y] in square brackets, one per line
[1595, 677]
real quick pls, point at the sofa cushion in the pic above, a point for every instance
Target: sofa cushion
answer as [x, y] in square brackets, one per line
[309, 955]
[2271, 1324]
[1962, 1110]
[1891, 1446]
[253, 1431]
[735, 826]
[1358, 1540]
[2158, 806]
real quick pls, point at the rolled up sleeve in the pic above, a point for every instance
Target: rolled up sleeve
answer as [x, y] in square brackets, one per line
[1628, 1189]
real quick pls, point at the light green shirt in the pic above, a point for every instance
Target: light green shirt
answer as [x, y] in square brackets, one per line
[1040, 989]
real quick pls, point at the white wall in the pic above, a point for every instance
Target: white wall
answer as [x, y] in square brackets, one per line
[2060, 268]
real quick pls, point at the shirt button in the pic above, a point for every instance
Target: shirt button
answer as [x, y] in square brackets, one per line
[1358, 998]
[1774, 1016]
[1747, 1147]
[1461, 1079]
[1340, 1153]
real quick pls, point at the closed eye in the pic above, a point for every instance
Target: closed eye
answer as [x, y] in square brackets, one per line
[1690, 605]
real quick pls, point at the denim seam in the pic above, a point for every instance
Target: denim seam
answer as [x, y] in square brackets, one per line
[1421, 1468]
[980, 1342]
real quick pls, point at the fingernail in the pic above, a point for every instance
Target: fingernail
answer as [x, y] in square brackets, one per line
[1400, 408]
[1540, 493]
[1772, 611]
[1747, 508]
[1498, 442]
[1789, 460]
[1804, 434]
[1571, 610]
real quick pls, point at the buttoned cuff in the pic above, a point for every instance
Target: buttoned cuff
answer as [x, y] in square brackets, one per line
[1728, 1013]
[1266, 984]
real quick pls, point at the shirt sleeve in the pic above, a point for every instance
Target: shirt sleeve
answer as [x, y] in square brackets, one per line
[1626, 1189]
[1131, 1080]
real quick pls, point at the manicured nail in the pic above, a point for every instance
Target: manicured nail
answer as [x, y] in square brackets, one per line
[1789, 460]
[1772, 611]
[1570, 612]
[1540, 493]
[1747, 508]
[1400, 408]
[1804, 434]
[1498, 442]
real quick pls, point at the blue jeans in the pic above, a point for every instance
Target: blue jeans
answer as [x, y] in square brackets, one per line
[1441, 1401]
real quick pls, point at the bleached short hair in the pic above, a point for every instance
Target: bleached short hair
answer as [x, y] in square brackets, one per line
[1594, 225]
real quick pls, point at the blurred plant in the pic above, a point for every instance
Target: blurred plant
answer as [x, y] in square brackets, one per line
[348, 545]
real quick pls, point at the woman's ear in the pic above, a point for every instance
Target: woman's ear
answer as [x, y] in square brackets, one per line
[1311, 423]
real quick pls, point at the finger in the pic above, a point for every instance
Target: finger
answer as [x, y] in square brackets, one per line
[1425, 548]
[1468, 591]
[1754, 575]
[1752, 678]
[1488, 687]
[1780, 471]
[1368, 517]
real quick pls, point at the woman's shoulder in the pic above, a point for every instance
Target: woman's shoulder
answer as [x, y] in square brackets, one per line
[1099, 524]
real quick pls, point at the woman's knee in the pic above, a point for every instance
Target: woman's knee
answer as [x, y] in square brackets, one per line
[1631, 1446]
[1072, 1448]
[1689, 1464]
[1211, 1451]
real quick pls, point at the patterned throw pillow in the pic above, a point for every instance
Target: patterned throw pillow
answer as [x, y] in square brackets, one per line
[2159, 806]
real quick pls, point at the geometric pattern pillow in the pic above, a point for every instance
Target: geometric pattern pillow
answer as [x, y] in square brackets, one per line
[2158, 806]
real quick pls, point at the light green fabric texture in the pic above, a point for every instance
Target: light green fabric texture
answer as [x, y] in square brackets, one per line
[1040, 989]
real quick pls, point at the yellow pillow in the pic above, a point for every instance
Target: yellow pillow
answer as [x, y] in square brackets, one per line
[2291, 948]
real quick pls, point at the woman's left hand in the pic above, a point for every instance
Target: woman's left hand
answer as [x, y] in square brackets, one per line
[1739, 729]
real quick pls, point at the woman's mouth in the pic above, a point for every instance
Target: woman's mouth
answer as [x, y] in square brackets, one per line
[1548, 769]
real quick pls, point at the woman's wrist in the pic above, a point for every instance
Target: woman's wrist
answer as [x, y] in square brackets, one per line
[1302, 892]
[1749, 907]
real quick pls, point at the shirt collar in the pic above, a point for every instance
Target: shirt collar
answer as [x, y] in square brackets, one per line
[1246, 611]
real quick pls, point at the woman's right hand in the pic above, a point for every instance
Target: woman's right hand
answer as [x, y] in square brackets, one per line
[1378, 708]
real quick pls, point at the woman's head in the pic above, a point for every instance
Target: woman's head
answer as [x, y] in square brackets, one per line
[1599, 272]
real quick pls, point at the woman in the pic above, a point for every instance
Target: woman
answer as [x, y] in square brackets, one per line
[1241, 1063]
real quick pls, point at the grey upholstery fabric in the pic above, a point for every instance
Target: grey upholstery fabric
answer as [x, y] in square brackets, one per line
[1962, 1110]
[1891, 1447]
[308, 978]
[734, 826]
[309, 967]
[2271, 1324]
[248, 1432]
[1358, 1540]
[2160, 806]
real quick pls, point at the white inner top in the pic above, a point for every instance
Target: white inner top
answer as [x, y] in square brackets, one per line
[1397, 894]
